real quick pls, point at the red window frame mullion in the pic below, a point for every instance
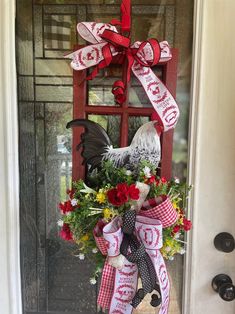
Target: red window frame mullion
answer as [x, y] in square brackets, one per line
[79, 105]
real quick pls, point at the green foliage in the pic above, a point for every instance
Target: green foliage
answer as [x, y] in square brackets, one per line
[90, 203]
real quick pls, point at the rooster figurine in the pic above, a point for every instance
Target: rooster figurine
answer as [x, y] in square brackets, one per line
[97, 146]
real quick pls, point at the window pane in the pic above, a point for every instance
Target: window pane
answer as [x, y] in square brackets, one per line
[100, 89]
[134, 124]
[111, 124]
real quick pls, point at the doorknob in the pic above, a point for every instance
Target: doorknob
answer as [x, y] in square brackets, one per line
[224, 242]
[224, 286]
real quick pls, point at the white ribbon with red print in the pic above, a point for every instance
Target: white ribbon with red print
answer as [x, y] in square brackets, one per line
[102, 52]
[149, 232]
[125, 278]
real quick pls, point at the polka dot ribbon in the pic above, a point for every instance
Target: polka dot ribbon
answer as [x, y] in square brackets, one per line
[135, 252]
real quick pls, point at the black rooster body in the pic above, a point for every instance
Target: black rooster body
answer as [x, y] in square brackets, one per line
[97, 146]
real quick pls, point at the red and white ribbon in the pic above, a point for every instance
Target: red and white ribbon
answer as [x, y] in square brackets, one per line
[125, 278]
[118, 286]
[107, 46]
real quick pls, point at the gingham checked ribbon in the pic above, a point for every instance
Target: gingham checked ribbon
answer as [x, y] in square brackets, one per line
[108, 45]
[160, 208]
[148, 227]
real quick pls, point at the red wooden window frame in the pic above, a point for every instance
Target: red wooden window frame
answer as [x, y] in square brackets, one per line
[81, 109]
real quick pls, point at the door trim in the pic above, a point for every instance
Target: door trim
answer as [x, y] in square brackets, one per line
[188, 294]
[10, 298]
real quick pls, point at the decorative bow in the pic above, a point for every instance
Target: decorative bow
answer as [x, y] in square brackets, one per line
[142, 255]
[109, 45]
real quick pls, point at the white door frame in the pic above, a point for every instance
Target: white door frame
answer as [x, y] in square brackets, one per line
[188, 293]
[10, 296]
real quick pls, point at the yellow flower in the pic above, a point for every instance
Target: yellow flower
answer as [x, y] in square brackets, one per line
[109, 213]
[100, 197]
[85, 238]
[175, 204]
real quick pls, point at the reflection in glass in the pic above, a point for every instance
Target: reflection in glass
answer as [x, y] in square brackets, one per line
[53, 280]
[134, 124]
[111, 124]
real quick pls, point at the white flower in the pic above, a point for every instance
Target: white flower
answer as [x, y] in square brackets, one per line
[171, 258]
[177, 180]
[87, 190]
[117, 261]
[81, 256]
[74, 202]
[177, 235]
[182, 251]
[92, 281]
[60, 223]
[128, 173]
[147, 172]
[168, 249]
[94, 250]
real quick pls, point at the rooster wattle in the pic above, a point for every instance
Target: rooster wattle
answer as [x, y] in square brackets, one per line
[97, 146]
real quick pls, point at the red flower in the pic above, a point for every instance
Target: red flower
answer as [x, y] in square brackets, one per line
[157, 182]
[134, 192]
[66, 207]
[163, 180]
[66, 233]
[116, 197]
[176, 229]
[187, 224]
[152, 179]
[122, 188]
[70, 193]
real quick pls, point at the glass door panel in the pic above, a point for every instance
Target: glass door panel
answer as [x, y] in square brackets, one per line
[54, 280]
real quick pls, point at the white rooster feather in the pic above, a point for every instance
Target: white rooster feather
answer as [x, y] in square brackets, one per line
[97, 146]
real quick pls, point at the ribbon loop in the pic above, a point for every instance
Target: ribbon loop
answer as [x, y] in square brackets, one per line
[115, 39]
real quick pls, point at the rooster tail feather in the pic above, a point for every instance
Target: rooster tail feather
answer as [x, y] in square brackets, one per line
[95, 141]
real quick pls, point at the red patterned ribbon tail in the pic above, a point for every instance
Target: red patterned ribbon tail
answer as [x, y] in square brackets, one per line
[125, 277]
[149, 232]
[98, 236]
[108, 273]
[106, 286]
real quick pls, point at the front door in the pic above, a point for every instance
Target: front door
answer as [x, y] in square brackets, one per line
[212, 157]
[54, 280]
